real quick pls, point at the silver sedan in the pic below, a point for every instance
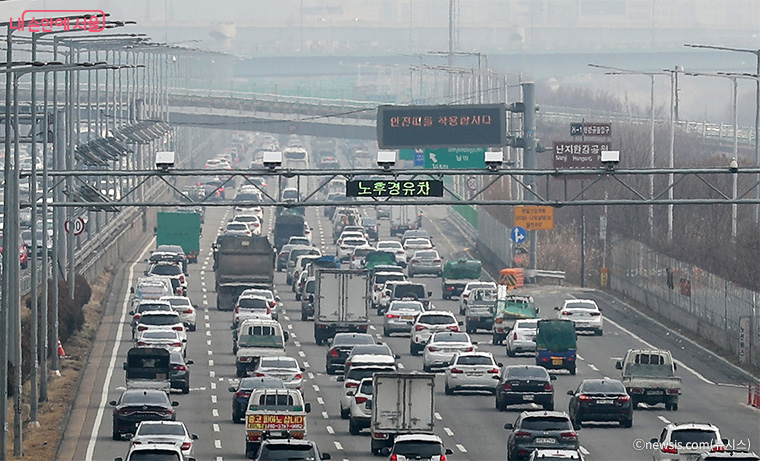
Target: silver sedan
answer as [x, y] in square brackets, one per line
[401, 316]
[284, 368]
[472, 371]
[443, 346]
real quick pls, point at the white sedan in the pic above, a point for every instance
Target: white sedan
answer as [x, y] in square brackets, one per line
[166, 339]
[415, 244]
[584, 313]
[395, 247]
[472, 371]
[347, 245]
[165, 432]
[443, 346]
[184, 307]
[522, 337]
[284, 368]
[237, 228]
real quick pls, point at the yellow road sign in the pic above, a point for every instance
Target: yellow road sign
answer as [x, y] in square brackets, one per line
[534, 217]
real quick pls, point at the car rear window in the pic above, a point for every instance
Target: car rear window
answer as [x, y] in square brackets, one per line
[527, 372]
[159, 319]
[161, 429]
[601, 387]
[258, 383]
[145, 397]
[166, 269]
[171, 334]
[154, 455]
[287, 452]
[436, 319]
[377, 349]
[415, 291]
[429, 254]
[418, 449]
[382, 278]
[153, 307]
[474, 360]
[358, 374]
[692, 436]
[343, 340]
[252, 303]
[452, 337]
[546, 423]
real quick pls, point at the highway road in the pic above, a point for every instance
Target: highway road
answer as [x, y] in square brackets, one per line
[713, 391]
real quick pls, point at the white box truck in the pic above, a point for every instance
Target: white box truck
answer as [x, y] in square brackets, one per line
[403, 403]
[340, 302]
[404, 218]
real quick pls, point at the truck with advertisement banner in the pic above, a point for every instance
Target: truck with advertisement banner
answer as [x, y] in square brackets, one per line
[181, 228]
[274, 413]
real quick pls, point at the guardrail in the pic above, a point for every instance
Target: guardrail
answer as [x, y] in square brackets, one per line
[533, 274]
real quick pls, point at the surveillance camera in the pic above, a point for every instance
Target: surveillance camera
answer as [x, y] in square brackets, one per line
[272, 159]
[734, 165]
[164, 160]
[494, 159]
[386, 158]
[610, 158]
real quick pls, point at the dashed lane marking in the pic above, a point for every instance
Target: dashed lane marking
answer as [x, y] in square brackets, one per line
[205, 302]
[203, 272]
[448, 431]
[208, 342]
[216, 427]
[320, 401]
[206, 317]
[593, 367]
[306, 365]
[400, 366]
[330, 430]
[218, 444]
[438, 416]
[212, 373]
[210, 352]
[311, 375]
[297, 343]
[213, 399]
[208, 325]
[301, 354]
[215, 413]
[290, 327]
[461, 448]
[338, 446]
[204, 290]
[208, 333]
[325, 415]
[372, 327]
[316, 387]
[583, 450]
[663, 419]
[213, 386]
[579, 357]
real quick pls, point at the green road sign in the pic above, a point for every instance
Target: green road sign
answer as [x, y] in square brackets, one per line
[455, 158]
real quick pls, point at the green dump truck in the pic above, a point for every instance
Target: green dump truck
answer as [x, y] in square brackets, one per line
[457, 273]
[181, 228]
[510, 307]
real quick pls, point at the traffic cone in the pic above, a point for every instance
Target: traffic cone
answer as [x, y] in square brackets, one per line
[61, 352]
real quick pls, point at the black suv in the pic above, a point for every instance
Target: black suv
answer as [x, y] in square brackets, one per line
[540, 429]
[600, 400]
[524, 384]
[341, 347]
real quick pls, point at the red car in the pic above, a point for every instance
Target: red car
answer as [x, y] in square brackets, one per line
[23, 253]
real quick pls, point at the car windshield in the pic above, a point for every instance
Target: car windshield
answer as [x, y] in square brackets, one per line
[437, 319]
[166, 269]
[291, 452]
[350, 340]
[155, 455]
[451, 338]
[375, 349]
[253, 303]
[602, 387]
[357, 374]
[474, 360]
[143, 397]
[546, 423]
[417, 449]
[693, 436]
[161, 429]
[159, 319]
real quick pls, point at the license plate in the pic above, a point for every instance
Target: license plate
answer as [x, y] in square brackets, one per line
[474, 373]
[556, 361]
[527, 397]
[655, 392]
[604, 402]
[276, 434]
[544, 440]
[407, 317]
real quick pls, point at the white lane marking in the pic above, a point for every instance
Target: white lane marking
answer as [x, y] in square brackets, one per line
[112, 361]
[293, 335]
[297, 343]
[208, 333]
[203, 272]
[213, 399]
[311, 375]
[203, 283]
[218, 444]
[286, 317]
[579, 357]
[208, 325]
[215, 413]
[219, 458]
[290, 327]
[372, 327]
[211, 363]
[330, 430]
[208, 342]
[316, 388]
[400, 366]
[306, 365]
[448, 432]
[210, 352]
[461, 448]
[338, 446]
[205, 302]
[663, 419]
[379, 336]
[438, 416]
[216, 427]
[213, 386]
[211, 374]
[583, 450]
[203, 290]
[320, 401]
[325, 415]
[678, 362]
[302, 354]
[593, 367]
[206, 317]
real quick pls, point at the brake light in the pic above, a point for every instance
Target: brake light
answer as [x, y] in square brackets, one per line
[443, 458]
[596, 314]
[522, 434]
[420, 327]
[181, 279]
[493, 371]
[298, 376]
[719, 448]
[187, 311]
[624, 398]
[507, 387]
[142, 328]
[392, 316]
[352, 385]
[433, 349]
[469, 349]
[569, 435]
[186, 445]
[240, 394]
[179, 344]
[672, 391]
[584, 398]
[456, 370]
[272, 303]
[394, 457]
[437, 261]
[514, 336]
[415, 260]
[334, 353]
[180, 367]
[179, 328]
[360, 400]
[141, 343]
[670, 449]
[567, 313]
[260, 375]
[453, 327]
[450, 288]
[547, 387]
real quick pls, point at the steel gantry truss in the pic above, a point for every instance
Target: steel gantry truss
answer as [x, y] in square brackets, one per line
[621, 186]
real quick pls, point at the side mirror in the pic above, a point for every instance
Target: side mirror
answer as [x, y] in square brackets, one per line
[474, 342]
[112, 403]
[189, 362]
[276, 298]
[175, 404]
[303, 369]
[307, 407]
[368, 404]
[184, 340]
[675, 366]
[340, 379]
[508, 426]
[145, 273]
[351, 393]
[460, 323]
[311, 298]
[556, 308]
[128, 436]
[619, 365]
[552, 378]
[397, 357]
[118, 459]
[326, 456]
[725, 442]
[125, 365]
[449, 451]
[131, 312]
[430, 294]
[285, 335]
[496, 377]
[232, 389]
[570, 392]
[499, 364]
[132, 290]
[232, 327]
[194, 436]
[653, 440]
[385, 451]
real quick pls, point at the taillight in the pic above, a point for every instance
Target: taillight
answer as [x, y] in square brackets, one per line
[443, 458]
[624, 398]
[584, 398]
[187, 311]
[240, 394]
[400, 252]
[141, 343]
[260, 375]
[437, 261]
[137, 316]
[569, 435]
[360, 400]
[469, 349]
[298, 376]
[394, 457]
[352, 384]
[283, 254]
[392, 316]
[179, 291]
[420, 327]
[453, 327]
[507, 387]
[596, 314]
[567, 313]
[670, 449]
[637, 390]
[334, 353]
[180, 367]
[522, 435]
[186, 445]
[179, 344]
[672, 391]
[142, 328]
[547, 387]
[719, 448]
[181, 279]
[415, 260]
[456, 370]
[272, 303]
[180, 328]
[493, 371]
[433, 349]
[353, 257]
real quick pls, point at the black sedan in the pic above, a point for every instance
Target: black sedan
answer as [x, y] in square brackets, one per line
[525, 384]
[180, 374]
[341, 347]
[243, 392]
[137, 405]
[600, 400]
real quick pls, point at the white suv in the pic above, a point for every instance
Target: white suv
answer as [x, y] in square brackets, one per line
[685, 441]
[584, 313]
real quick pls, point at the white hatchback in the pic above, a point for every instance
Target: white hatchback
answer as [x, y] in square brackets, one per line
[522, 337]
[584, 313]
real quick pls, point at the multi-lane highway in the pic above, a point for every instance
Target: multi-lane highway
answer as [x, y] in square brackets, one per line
[713, 391]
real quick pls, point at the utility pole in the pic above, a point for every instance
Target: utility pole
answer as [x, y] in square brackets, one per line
[451, 47]
[529, 155]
